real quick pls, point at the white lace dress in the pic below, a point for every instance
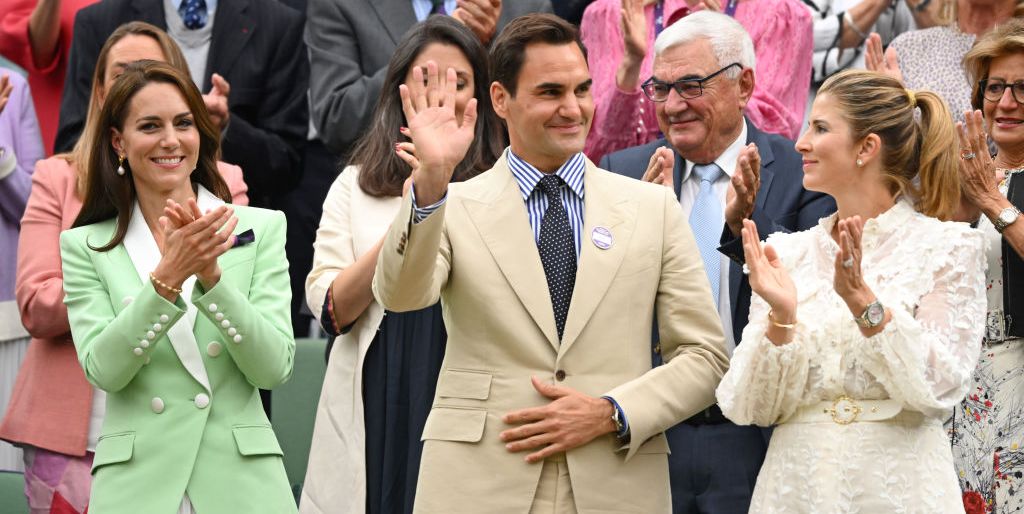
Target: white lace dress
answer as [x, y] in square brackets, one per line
[930, 275]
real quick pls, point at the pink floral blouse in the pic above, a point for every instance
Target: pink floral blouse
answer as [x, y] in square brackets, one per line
[782, 31]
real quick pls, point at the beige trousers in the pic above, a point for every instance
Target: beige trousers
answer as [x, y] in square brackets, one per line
[554, 490]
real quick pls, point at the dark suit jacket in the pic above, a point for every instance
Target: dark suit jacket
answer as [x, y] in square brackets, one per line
[782, 203]
[256, 46]
[350, 43]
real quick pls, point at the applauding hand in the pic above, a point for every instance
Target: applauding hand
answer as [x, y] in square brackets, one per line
[5, 91]
[661, 167]
[883, 62]
[440, 140]
[770, 280]
[978, 181]
[191, 243]
[480, 16]
[742, 192]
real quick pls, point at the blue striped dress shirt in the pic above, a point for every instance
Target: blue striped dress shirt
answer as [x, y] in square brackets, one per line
[527, 178]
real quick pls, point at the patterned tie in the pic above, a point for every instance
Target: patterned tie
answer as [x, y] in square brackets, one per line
[706, 220]
[438, 7]
[193, 13]
[557, 251]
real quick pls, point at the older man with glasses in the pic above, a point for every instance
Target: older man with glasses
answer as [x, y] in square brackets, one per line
[722, 170]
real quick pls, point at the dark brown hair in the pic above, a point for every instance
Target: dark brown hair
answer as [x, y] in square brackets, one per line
[509, 48]
[382, 172]
[108, 194]
[1006, 39]
[919, 157]
[79, 155]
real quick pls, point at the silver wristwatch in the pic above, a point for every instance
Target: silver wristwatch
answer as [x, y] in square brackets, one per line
[872, 316]
[1006, 218]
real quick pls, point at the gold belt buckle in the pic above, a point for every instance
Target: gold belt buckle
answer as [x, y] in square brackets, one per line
[844, 410]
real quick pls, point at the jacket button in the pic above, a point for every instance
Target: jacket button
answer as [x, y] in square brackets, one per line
[164, 318]
[212, 307]
[137, 351]
[657, 349]
[202, 400]
[219, 316]
[213, 349]
[225, 323]
[560, 375]
[144, 344]
[232, 331]
[237, 338]
[157, 404]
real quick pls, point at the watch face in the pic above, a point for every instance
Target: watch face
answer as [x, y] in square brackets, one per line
[876, 313]
[1008, 216]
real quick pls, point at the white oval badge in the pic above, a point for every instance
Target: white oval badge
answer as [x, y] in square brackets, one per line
[601, 237]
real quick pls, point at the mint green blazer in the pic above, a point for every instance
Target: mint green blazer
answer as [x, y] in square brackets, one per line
[183, 414]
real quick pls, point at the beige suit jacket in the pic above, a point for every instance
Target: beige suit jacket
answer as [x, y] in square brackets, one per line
[478, 255]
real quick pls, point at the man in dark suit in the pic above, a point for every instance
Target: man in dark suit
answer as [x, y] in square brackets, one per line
[351, 41]
[723, 169]
[255, 46]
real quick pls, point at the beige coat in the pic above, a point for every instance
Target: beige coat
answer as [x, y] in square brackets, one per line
[478, 255]
[352, 223]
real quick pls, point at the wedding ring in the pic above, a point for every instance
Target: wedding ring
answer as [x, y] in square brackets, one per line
[968, 156]
[746, 270]
[848, 263]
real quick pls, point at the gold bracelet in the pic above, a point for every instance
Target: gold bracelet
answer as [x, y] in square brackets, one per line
[780, 325]
[157, 281]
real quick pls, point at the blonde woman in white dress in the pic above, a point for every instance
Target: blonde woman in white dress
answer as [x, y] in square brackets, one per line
[865, 329]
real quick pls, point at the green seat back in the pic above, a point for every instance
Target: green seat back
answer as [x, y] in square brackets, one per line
[293, 408]
[12, 493]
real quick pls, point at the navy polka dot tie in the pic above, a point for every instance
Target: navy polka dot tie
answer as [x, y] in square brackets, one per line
[557, 251]
[193, 13]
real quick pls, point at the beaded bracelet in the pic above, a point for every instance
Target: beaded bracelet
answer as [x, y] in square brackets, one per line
[163, 285]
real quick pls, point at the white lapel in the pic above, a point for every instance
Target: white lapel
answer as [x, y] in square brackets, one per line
[145, 255]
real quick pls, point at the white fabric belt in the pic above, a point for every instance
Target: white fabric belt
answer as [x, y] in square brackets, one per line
[845, 410]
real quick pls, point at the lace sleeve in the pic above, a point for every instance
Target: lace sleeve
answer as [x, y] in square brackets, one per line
[765, 383]
[926, 353]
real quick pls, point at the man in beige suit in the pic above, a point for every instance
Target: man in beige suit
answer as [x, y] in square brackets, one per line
[550, 271]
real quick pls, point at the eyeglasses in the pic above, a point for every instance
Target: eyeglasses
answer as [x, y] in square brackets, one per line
[993, 90]
[658, 90]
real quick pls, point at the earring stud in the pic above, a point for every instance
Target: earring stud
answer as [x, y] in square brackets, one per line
[120, 165]
[860, 162]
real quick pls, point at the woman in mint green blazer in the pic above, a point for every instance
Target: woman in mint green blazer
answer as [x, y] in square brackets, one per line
[179, 310]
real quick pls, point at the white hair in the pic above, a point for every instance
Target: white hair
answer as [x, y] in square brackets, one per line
[729, 40]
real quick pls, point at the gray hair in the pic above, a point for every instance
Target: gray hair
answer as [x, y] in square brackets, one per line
[730, 42]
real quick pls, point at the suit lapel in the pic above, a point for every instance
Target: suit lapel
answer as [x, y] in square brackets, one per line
[145, 255]
[504, 226]
[150, 11]
[597, 267]
[232, 28]
[397, 16]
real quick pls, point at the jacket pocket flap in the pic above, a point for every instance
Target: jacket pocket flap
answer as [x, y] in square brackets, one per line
[656, 444]
[447, 424]
[113, 448]
[473, 385]
[256, 440]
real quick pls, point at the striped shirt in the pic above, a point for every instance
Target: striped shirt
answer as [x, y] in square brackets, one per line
[527, 178]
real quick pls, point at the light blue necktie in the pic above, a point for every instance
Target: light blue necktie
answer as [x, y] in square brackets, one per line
[706, 221]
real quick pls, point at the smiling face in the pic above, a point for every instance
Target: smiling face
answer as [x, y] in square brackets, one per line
[828, 149]
[448, 56]
[701, 128]
[159, 139]
[130, 48]
[550, 114]
[1005, 117]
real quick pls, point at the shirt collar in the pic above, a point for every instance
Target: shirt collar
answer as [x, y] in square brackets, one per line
[527, 176]
[727, 159]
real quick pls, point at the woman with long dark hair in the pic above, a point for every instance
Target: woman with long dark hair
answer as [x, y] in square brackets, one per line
[184, 429]
[383, 367]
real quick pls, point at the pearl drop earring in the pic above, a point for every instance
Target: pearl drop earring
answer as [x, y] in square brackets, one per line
[120, 165]
[860, 163]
